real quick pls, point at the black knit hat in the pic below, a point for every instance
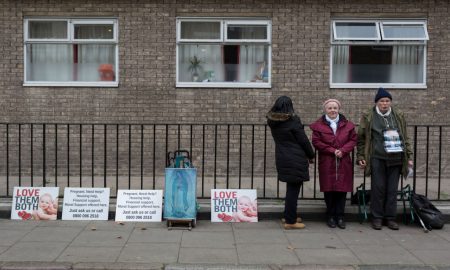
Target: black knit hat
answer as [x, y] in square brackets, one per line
[382, 93]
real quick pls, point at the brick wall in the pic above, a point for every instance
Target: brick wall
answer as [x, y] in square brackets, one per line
[147, 90]
[147, 93]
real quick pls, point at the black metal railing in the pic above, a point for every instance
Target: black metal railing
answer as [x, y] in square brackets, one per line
[133, 156]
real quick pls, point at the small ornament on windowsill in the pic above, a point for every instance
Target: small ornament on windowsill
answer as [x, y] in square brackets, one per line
[195, 67]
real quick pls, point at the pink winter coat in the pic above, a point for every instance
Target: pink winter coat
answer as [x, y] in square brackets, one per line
[326, 143]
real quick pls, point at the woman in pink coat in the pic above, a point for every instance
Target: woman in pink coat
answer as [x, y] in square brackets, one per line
[334, 137]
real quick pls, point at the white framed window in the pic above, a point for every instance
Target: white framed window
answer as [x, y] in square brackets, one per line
[374, 53]
[223, 52]
[71, 52]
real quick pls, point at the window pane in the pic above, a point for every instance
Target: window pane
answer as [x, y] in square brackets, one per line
[378, 64]
[67, 62]
[200, 30]
[247, 32]
[94, 31]
[404, 31]
[47, 29]
[223, 63]
[356, 31]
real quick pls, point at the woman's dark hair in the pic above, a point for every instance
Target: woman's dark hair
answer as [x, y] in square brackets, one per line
[283, 104]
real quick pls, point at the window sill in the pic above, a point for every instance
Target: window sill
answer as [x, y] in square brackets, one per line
[73, 84]
[376, 85]
[222, 85]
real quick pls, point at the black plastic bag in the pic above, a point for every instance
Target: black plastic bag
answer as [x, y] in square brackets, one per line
[430, 215]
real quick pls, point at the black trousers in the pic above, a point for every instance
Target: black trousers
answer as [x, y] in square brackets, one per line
[384, 185]
[290, 202]
[335, 202]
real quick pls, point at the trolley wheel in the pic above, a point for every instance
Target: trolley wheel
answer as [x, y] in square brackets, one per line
[194, 223]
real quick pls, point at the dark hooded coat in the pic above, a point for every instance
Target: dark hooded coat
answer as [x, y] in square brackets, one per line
[292, 147]
[334, 174]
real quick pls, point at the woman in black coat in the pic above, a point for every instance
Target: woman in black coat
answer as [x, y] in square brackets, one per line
[293, 153]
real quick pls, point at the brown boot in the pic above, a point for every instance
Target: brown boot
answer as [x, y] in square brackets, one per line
[295, 226]
[299, 220]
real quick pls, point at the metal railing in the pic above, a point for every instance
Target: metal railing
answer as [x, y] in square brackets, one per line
[133, 156]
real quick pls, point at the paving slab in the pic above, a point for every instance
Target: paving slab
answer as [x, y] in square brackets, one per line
[315, 240]
[52, 234]
[261, 236]
[118, 266]
[218, 267]
[7, 224]
[155, 235]
[395, 267]
[36, 266]
[89, 254]
[110, 226]
[206, 225]
[365, 237]
[425, 241]
[375, 254]
[150, 252]
[64, 223]
[266, 254]
[433, 257]
[10, 236]
[327, 256]
[33, 251]
[101, 238]
[208, 239]
[317, 267]
[262, 225]
[208, 255]
[3, 248]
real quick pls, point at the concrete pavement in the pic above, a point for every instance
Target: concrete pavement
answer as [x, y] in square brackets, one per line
[263, 245]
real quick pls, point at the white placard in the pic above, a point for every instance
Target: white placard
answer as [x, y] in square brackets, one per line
[139, 205]
[234, 205]
[85, 204]
[35, 203]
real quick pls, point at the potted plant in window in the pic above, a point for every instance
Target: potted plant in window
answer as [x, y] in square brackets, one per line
[194, 67]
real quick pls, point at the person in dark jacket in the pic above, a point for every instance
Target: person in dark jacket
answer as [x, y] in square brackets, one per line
[293, 153]
[384, 152]
[334, 137]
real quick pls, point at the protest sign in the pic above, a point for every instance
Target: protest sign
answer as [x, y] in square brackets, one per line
[85, 204]
[139, 205]
[35, 203]
[234, 205]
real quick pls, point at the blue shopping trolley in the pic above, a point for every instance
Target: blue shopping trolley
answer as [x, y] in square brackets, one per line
[180, 206]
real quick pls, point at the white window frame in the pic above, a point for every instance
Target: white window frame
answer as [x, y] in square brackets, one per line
[381, 42]
[224, 41]
[251, 23]
[423, 24]
[26, 28]
[99, 22]
[361, 38]
[179, 22]
[71, 40]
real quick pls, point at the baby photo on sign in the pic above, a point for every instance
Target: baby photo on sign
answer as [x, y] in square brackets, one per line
[234, 205]
[35, 203]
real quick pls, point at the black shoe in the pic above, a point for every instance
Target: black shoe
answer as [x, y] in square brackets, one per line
[377, 224]
[341, 223]
[392, 225]
[331, 222]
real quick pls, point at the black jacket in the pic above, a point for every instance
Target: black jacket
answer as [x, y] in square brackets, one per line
[292, 147]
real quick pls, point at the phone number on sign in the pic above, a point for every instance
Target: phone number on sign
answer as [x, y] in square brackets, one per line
[138, 217]
[85, 215]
